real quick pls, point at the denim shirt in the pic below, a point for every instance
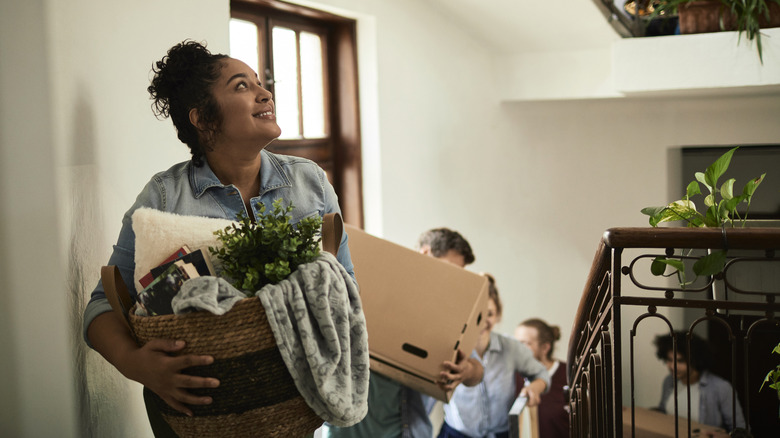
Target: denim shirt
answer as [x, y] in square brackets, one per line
[483, 410]
[394, 411]
[195, 191]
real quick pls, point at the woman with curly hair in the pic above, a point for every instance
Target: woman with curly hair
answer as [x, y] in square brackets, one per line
[224, 115]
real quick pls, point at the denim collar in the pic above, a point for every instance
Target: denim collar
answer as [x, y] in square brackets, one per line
[272, 176]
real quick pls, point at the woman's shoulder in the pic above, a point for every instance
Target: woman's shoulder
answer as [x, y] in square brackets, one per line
[163, 185]
[177, 171]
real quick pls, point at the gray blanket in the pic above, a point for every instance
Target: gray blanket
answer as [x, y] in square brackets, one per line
[319, 327]
[318, 323]
[213, 294]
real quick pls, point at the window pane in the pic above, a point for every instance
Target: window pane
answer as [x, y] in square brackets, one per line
[312, 86]
[286, 81]
[243, 42]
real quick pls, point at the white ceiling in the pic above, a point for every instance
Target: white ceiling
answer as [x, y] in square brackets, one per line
[517, 26]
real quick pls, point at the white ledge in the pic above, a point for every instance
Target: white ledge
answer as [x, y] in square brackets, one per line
[711, 64]
[701, 64]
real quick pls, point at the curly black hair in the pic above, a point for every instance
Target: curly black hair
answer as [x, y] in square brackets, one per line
[700, 353]
[182, 81]
[442, 240]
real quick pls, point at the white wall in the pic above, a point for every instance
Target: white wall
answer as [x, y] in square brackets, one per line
[79, 140]
[532, 185]
[35, 369]
[108, 144]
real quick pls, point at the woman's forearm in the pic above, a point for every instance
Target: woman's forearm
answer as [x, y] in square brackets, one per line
[110, 337]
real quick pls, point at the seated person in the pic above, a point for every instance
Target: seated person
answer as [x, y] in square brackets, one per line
[540, 337]
[483, 410]
[711, 396]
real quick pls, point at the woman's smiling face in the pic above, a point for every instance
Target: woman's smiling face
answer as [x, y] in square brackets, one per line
[247, 109]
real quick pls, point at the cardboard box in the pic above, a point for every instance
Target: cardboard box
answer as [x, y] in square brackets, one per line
[654, 424]
[419, 310]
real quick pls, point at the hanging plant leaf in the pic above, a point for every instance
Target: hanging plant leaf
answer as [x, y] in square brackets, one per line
[658, 267]
[710, 264]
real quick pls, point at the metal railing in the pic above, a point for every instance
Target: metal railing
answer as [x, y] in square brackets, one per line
[621, 296]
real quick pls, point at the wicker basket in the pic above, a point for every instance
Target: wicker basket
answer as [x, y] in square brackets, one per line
[256, 396]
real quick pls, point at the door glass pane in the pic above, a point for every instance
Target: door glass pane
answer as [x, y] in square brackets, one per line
[312, 85]
[285, 52]
[243, 42]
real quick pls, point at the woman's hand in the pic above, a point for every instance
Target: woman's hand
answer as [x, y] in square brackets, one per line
[534, 391]
[464, 370]
[152, 365]
[155, 367]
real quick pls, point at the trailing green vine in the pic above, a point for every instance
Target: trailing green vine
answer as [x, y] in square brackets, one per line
[721, 204]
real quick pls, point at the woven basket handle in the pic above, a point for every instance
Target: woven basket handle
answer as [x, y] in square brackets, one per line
[116, 292]
[332, 230]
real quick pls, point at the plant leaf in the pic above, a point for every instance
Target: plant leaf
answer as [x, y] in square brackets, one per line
[701, 179]
[652, 211]
[718, 168]
[663, 261]
[658, 267]
[711, 219]
[731, 204]
[710, 264]
[696, 221]
[709, 200]
[693, 189]
[752, 185]
[676, 211]
[727, 189]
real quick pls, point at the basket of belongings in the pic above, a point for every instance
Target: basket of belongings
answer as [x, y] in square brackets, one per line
[289, 344]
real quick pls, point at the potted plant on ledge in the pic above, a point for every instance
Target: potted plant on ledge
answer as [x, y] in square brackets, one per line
[700, 16]
[721, 211]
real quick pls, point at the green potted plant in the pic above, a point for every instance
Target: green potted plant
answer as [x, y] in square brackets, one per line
[748, 16]
[721, 204]
[773, 377]
[254, 254]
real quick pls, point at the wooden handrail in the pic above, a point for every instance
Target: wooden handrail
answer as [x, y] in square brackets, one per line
[599, 310]
[598, 268]
[733, 238]
[661, 237]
